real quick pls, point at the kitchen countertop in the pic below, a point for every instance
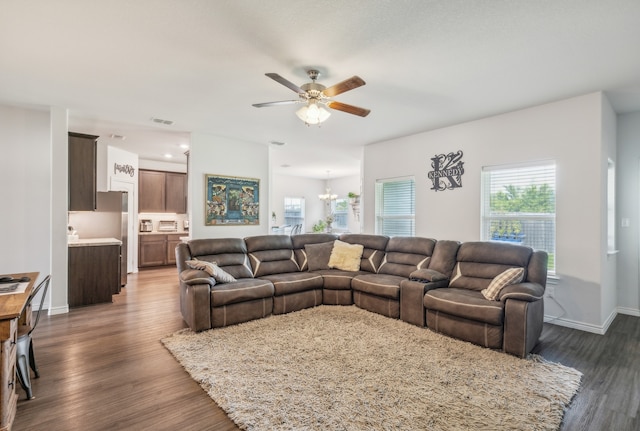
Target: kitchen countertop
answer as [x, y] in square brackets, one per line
[88, 242]
[155, 232]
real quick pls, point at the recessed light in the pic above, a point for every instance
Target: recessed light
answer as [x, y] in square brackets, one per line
[168, 156]
[120, 137]
[184, 146]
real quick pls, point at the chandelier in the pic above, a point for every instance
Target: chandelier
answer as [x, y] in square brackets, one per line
[328, 196]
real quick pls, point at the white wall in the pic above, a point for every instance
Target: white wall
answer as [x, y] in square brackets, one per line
[297, 187]
[217, 155]
[291, 186]
[628, 199]
[568, 132]
[608, 261]
[27, 195]
[156, 165]
[342, 187]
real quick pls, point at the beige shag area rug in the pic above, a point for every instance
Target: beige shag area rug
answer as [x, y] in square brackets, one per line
[343, 368]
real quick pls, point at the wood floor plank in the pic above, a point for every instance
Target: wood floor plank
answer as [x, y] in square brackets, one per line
[103, 368]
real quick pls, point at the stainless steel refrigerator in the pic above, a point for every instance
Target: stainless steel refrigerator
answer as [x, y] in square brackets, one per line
[109, 220]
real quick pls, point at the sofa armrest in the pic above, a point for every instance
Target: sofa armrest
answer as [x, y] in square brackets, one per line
[195, 301]
[412, 299]
[523, 320]
[427, 275]
[196, 276]
[527, 291]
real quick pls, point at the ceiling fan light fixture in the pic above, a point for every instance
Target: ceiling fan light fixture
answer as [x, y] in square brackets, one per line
[311, 113]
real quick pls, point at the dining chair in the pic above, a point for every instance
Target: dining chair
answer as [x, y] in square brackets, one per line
[24, 344]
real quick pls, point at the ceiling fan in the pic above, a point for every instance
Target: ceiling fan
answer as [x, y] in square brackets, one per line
[316, 96]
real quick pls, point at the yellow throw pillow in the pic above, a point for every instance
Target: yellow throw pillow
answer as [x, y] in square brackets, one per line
[500, 281]
[346, 256]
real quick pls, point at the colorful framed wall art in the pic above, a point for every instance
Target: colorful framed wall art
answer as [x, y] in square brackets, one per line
[231, 201]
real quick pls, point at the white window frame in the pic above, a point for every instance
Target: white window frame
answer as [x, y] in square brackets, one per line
[344, 215]
[409, 215]
[290, 203]
[537, 171]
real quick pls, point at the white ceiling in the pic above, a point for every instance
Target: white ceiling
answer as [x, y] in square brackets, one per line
[201, 63]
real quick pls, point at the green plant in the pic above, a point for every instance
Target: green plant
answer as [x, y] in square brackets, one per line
[319, 227]
[353, 195]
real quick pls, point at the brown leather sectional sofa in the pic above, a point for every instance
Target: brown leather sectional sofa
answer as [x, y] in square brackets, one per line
[422, 281]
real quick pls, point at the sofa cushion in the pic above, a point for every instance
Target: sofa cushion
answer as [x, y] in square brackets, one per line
[211, 268]
[318, 255]
[404, 255]
[293, 282]
[299, 241]
[345, 256]
[271, 254]
[475, 276]
[465, 303]
[384, 285]
[229, 253]
[244, 289]
[337, 279]
[374, 249]
[478, 263]
[444, 256]
[500, 281]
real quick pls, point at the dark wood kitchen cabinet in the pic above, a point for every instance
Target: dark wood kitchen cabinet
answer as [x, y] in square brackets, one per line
[82, 172]
[176, 193]
[160, 192]
[94, 274]
[157, 249]
[172, 242]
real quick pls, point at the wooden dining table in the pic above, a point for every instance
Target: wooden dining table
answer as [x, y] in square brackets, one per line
[13, 312]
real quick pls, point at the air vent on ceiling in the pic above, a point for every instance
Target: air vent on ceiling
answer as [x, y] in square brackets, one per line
[161, 121]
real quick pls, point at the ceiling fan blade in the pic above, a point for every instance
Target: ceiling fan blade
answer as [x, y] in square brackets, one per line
[346, 85]
[282, 102]
[350, 109]
[285, 82]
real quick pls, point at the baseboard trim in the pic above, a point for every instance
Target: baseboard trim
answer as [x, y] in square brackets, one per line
[629, 311]
[58, 310]
[573, 324]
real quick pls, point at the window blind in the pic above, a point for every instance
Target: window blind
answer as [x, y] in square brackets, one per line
[395, 207]
[519, 206]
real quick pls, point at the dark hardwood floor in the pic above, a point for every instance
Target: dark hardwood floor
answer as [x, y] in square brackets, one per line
[103, 368]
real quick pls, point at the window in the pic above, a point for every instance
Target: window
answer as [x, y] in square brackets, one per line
[519, 206]
[293, 211]
[395, 206]
[341, 214]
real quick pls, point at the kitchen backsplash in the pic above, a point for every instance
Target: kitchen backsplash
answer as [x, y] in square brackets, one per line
[157, 217]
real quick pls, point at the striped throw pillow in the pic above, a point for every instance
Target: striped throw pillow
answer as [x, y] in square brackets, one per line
[505, 278]
[219, 274]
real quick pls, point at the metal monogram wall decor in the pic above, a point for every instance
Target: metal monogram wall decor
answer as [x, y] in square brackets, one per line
[447, 171]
